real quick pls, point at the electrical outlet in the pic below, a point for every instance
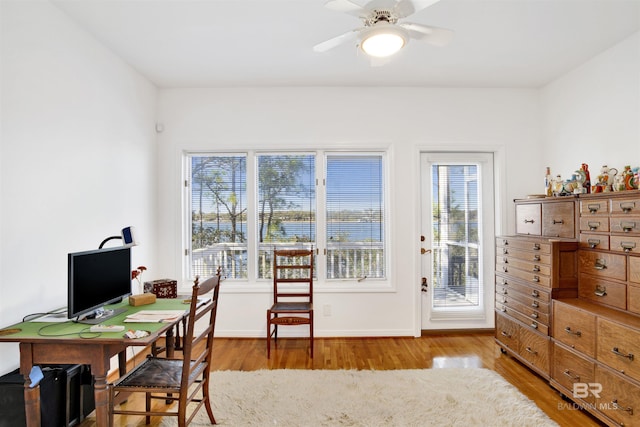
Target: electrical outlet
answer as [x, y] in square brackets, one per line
[326, 310]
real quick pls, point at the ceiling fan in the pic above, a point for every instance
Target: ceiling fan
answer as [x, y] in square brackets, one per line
[382, 34]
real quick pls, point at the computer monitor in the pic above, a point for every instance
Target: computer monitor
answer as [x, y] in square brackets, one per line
[97, 278]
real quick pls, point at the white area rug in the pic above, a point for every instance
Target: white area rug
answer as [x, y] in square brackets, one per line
[425, 397]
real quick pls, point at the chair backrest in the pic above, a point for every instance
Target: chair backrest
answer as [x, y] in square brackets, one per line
[291, 268]
[199, 343]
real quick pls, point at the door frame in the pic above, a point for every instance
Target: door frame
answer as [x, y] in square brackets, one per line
[499, 207]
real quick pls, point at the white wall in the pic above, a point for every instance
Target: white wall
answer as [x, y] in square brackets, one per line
[407, 120]
[592, 114]
[78, 157]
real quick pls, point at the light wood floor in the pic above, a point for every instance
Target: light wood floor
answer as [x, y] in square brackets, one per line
[429, 351]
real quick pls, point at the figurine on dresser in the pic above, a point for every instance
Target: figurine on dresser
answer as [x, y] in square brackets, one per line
[606, 179]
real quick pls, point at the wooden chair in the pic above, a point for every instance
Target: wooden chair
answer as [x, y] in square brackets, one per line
[292, 293]
[171, 380]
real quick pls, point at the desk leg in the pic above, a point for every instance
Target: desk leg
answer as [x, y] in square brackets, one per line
[170, 343]
[31, 395]
[101, 394]
[122, 363]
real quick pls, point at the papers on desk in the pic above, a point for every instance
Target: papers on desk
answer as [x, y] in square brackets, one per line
[155, 316]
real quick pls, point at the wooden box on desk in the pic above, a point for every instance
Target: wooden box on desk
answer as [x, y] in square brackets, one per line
[162, 288]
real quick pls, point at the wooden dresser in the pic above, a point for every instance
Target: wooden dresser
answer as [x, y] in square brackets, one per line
[596, 337]
[532, 268]
[568, 298]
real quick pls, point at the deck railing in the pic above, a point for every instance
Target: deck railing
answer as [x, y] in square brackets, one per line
[346, 261]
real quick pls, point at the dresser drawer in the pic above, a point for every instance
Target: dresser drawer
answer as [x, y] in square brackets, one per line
[619, 399]
[506, 286]
[626, 244]
[570, 368]
[619, 347]
[527, 322]
[507, 332]
[594, 223]
[627, 225]
[528, 276]
[575, 328]
[529, 219]
[633, 299]
[594, 241]
[594, 207]
[558, 220]
[625, 206]
[534, 348]
[525, 255]
[504, 302]
[532, 266]
[634, 269]
[526, 300]
[523, 243]
[603, 264]
[602, 291]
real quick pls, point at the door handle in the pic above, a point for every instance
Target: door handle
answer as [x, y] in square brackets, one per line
[425, 251]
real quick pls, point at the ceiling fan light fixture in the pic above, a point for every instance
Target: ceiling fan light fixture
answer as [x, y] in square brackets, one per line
[383, 39]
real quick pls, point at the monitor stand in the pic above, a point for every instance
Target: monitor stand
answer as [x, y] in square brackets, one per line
[101, 315]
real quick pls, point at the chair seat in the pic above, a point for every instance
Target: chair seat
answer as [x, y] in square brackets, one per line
[156, 373]
[290, 307]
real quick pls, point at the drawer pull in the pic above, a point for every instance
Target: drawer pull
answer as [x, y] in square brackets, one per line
[536, 279]
[627, 226]
[601, 291]
[529, 221]
[593, 226]
[569, 331]
[504, 292]
[593, 243]
[555, 221]
[505, 251]
[534, 315]
[627, 206]
[505, 334]
[535, 304]
[573, 377]
[536, 268]
[505, 260]
[534, 325]
[535, 294]
[536, 246]
[504, 282]
[505, 242]
[628, 246]
[530, 350]
[593, 208]
[536, 257]
[503, 309]
[615, 351]
[617, 406]
[505, 269]
[600, 264]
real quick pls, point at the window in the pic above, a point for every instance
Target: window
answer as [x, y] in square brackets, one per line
[243, 205]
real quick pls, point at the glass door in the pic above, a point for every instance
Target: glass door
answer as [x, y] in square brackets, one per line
[458, 233]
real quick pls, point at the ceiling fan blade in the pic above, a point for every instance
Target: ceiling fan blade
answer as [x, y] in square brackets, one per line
[404, 8]
[432, 35]
[336, 41]
[346, 6]
[422, 4]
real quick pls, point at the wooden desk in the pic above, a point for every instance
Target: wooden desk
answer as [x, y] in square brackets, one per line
[73, 343]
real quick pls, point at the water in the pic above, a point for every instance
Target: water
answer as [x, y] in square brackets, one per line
[343, 231]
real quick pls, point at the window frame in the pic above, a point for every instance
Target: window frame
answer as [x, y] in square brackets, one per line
[252, 283]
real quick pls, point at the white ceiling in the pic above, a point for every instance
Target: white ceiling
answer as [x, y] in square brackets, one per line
[220, 43]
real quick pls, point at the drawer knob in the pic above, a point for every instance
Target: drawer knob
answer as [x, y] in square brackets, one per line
[530, 350]
[573, 377]
[627, 246]
[601, 291]
[619, 407]
[505, 334]
[569, 331]
[600, 264]
[627, 206]
[593, 208]
[593, 226]
[617, 352]
[558, 221]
